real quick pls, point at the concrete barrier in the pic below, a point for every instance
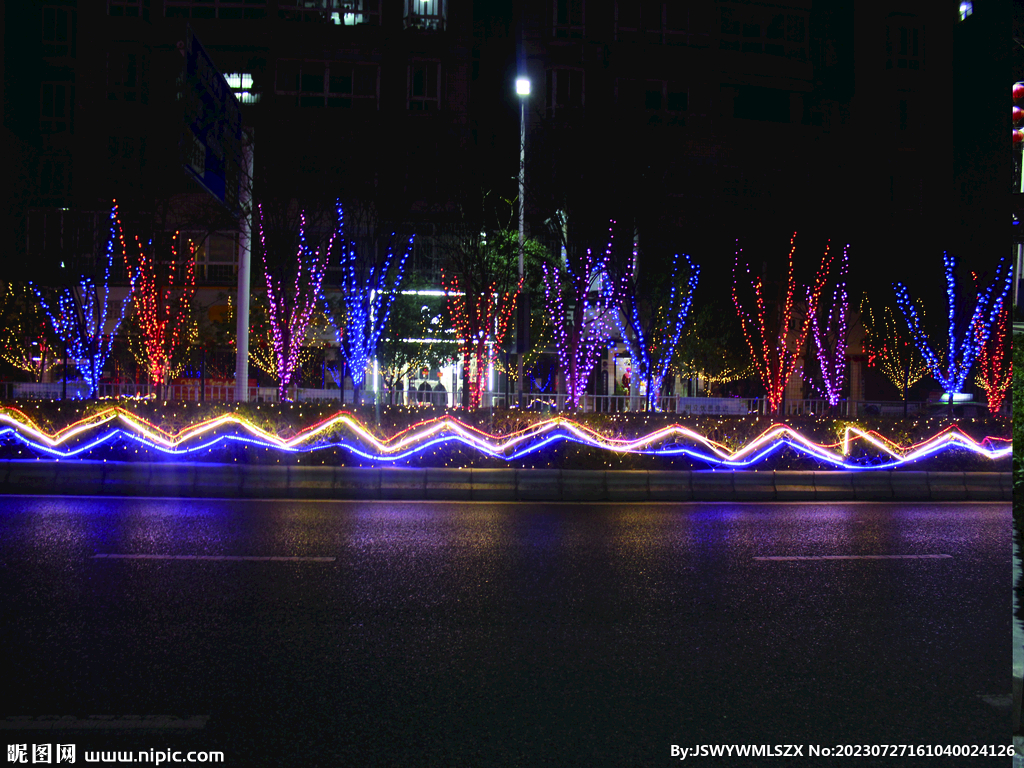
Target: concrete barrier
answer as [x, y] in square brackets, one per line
[872, 486]
[712, 485]
[493, 484]
[449, 484]
[985, 486]
[197, 479]
[627, 484]
[833, 486]
[754, 486]
[403, 483]
[947, 486]
[356, 483]
[582, 485]
[910, 485]
[669, 485]
[539, 484]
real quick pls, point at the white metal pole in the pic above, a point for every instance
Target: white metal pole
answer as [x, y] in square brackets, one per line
[244, 271]
[520, 319]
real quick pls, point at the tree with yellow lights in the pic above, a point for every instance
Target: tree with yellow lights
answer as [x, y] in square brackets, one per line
[890, 347]
[26, 341]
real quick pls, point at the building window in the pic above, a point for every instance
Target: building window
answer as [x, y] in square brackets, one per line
[328, 83]
[568, 18]
[423, 86]
[55, 101]
[135, 8]
[640, 22]
[425, 14]
[750, 29]
[215, 9]
[687, 24]
[54, 178]
[966, 9]
[904, 47]
[240, 84]
[347, 13]
[58, 31]
[652, 95]
[125, 77]
[755, 103]
[564, 90]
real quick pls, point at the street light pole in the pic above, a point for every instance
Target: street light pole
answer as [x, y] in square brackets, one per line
[522, 321]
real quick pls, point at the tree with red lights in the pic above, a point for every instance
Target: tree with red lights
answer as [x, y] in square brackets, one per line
[776, 330]
[163, 311]
[995, 366]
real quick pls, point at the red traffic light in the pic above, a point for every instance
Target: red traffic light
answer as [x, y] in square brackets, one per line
[1018, 91]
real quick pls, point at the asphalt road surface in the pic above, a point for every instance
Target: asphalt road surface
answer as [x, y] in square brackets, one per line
[484, 634]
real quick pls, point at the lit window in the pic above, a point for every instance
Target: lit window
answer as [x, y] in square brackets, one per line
[240, 84]
[347, 13]
[425, 14]
[966, 9]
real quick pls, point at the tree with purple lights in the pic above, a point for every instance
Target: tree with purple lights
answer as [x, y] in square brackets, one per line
[655, 307]
[828, 329]
[290, 310]
[582, 301]
[81, 315]
[968, 330]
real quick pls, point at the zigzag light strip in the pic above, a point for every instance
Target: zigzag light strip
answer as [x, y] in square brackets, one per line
[664, 441]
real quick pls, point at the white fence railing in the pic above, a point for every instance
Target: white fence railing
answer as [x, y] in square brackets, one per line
[547, 403]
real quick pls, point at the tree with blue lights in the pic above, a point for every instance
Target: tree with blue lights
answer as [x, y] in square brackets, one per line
[368, 289]
[968, 330]
[655, 307]
[86, 317]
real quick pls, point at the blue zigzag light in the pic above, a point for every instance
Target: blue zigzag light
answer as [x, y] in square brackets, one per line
[651, 350]
[952, 368]
[79, 316]
[368, 289]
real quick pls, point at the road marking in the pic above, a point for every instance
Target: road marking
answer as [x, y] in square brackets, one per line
[247, 558]
[104, 723]
[855, 557]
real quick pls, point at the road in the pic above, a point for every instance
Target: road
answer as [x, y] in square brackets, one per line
[488, 634]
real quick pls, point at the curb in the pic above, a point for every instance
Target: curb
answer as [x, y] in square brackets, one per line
[112, 478]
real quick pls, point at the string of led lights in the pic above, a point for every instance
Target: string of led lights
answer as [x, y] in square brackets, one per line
[26, 343]
[291, 313]
[829, 334]
[995, 367]
[888, 347]
[582, 301]
[652, 340]
[779, 351]
[963, 345]
[79, 317]
[368, 289]
[165, 320]
[343, 431]
[476, 318]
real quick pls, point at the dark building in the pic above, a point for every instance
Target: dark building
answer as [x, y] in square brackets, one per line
[699, 122]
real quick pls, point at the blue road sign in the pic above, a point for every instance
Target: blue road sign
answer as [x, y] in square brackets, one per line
[211, 144]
